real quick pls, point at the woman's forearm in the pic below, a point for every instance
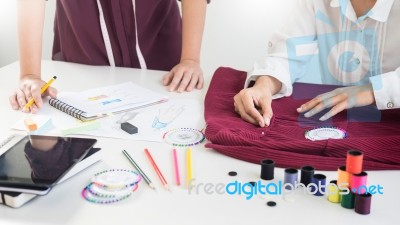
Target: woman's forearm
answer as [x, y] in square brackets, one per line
[269, 82]
[30, 32]
[193, 18]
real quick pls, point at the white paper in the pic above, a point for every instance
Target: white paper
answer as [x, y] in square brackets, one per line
[176, 113]
[112, 98]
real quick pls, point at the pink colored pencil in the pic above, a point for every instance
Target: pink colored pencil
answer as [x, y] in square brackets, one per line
[177, 178]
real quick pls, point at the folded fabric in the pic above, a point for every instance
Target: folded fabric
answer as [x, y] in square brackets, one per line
[376, 133]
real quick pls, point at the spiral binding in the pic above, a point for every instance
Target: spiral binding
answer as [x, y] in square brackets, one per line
[66, 108]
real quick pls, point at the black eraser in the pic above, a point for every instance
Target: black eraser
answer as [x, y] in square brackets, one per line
[129, 128]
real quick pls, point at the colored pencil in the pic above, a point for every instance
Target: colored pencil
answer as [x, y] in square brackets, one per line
[177, 178]
[189, 166]
[148, 181]
[158, 171]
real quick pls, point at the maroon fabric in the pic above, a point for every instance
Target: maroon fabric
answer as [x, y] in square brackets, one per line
[78, 35]
[284, 141]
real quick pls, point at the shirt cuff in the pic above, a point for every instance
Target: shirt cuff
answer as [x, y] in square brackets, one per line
[386, 89]
[274, 69]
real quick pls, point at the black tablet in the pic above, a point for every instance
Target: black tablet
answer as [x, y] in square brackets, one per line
[36, 163]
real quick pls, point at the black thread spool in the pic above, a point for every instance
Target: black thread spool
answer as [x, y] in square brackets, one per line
[307, 173]
[267, 169]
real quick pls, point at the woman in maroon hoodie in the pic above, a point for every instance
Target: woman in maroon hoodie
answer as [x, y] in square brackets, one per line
[147, 34]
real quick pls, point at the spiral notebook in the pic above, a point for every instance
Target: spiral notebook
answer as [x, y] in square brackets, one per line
[100, 102]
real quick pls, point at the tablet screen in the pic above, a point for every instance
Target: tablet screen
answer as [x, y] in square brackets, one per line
[41, 160]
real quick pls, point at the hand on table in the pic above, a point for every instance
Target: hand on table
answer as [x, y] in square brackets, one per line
[339, 99]
[184, 77]
[29, 87]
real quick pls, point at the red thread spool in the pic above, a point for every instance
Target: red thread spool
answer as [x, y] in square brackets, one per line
[354, 161]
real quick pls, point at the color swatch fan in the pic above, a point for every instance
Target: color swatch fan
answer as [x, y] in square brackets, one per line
[325, 133]
[111, 186]
[184, 137]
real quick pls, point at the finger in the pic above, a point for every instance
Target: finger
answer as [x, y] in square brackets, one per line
[318, 108]
[187, 76]
[236, 107]
[193, 82]
[34, 108]
[250, 109]
[176, 79]
[243, 114]
[52, 92]
[327, 103]
[14, 102]
[37, 97]
[167, 78]
[27, 94]
[21, 99]
[266, 109]
[315, 101]
[309, 105]
[335, 110]
[200, 82]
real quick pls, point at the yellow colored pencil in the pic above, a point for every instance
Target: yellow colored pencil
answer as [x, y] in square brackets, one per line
[42, 90]
[189, 166]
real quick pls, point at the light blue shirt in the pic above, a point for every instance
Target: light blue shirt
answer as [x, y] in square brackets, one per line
[350, 50]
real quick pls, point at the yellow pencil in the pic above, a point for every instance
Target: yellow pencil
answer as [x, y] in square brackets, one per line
[189, 166]
[42, 90]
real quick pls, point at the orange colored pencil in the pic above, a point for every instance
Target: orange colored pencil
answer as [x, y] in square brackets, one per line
[158, 171]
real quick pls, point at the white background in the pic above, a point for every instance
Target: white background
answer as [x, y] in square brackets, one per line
[235, 34]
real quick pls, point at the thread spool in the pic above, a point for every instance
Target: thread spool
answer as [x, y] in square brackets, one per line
[319, 181]
[290, 178]
[348, 200]
[354, 161]
[343, 179]
[363, 204]
[267, 169]
[358, 183]
[333, 195]
[307, 173]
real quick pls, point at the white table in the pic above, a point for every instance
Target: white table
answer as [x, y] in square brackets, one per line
[64, 205]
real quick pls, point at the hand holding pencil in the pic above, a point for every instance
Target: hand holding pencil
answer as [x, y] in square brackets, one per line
[31, 88]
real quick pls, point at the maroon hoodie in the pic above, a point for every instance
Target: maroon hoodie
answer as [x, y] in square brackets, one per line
[78, 37]
[375, 133]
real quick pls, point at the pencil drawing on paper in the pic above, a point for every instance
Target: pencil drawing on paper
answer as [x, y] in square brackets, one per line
[166, 116]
